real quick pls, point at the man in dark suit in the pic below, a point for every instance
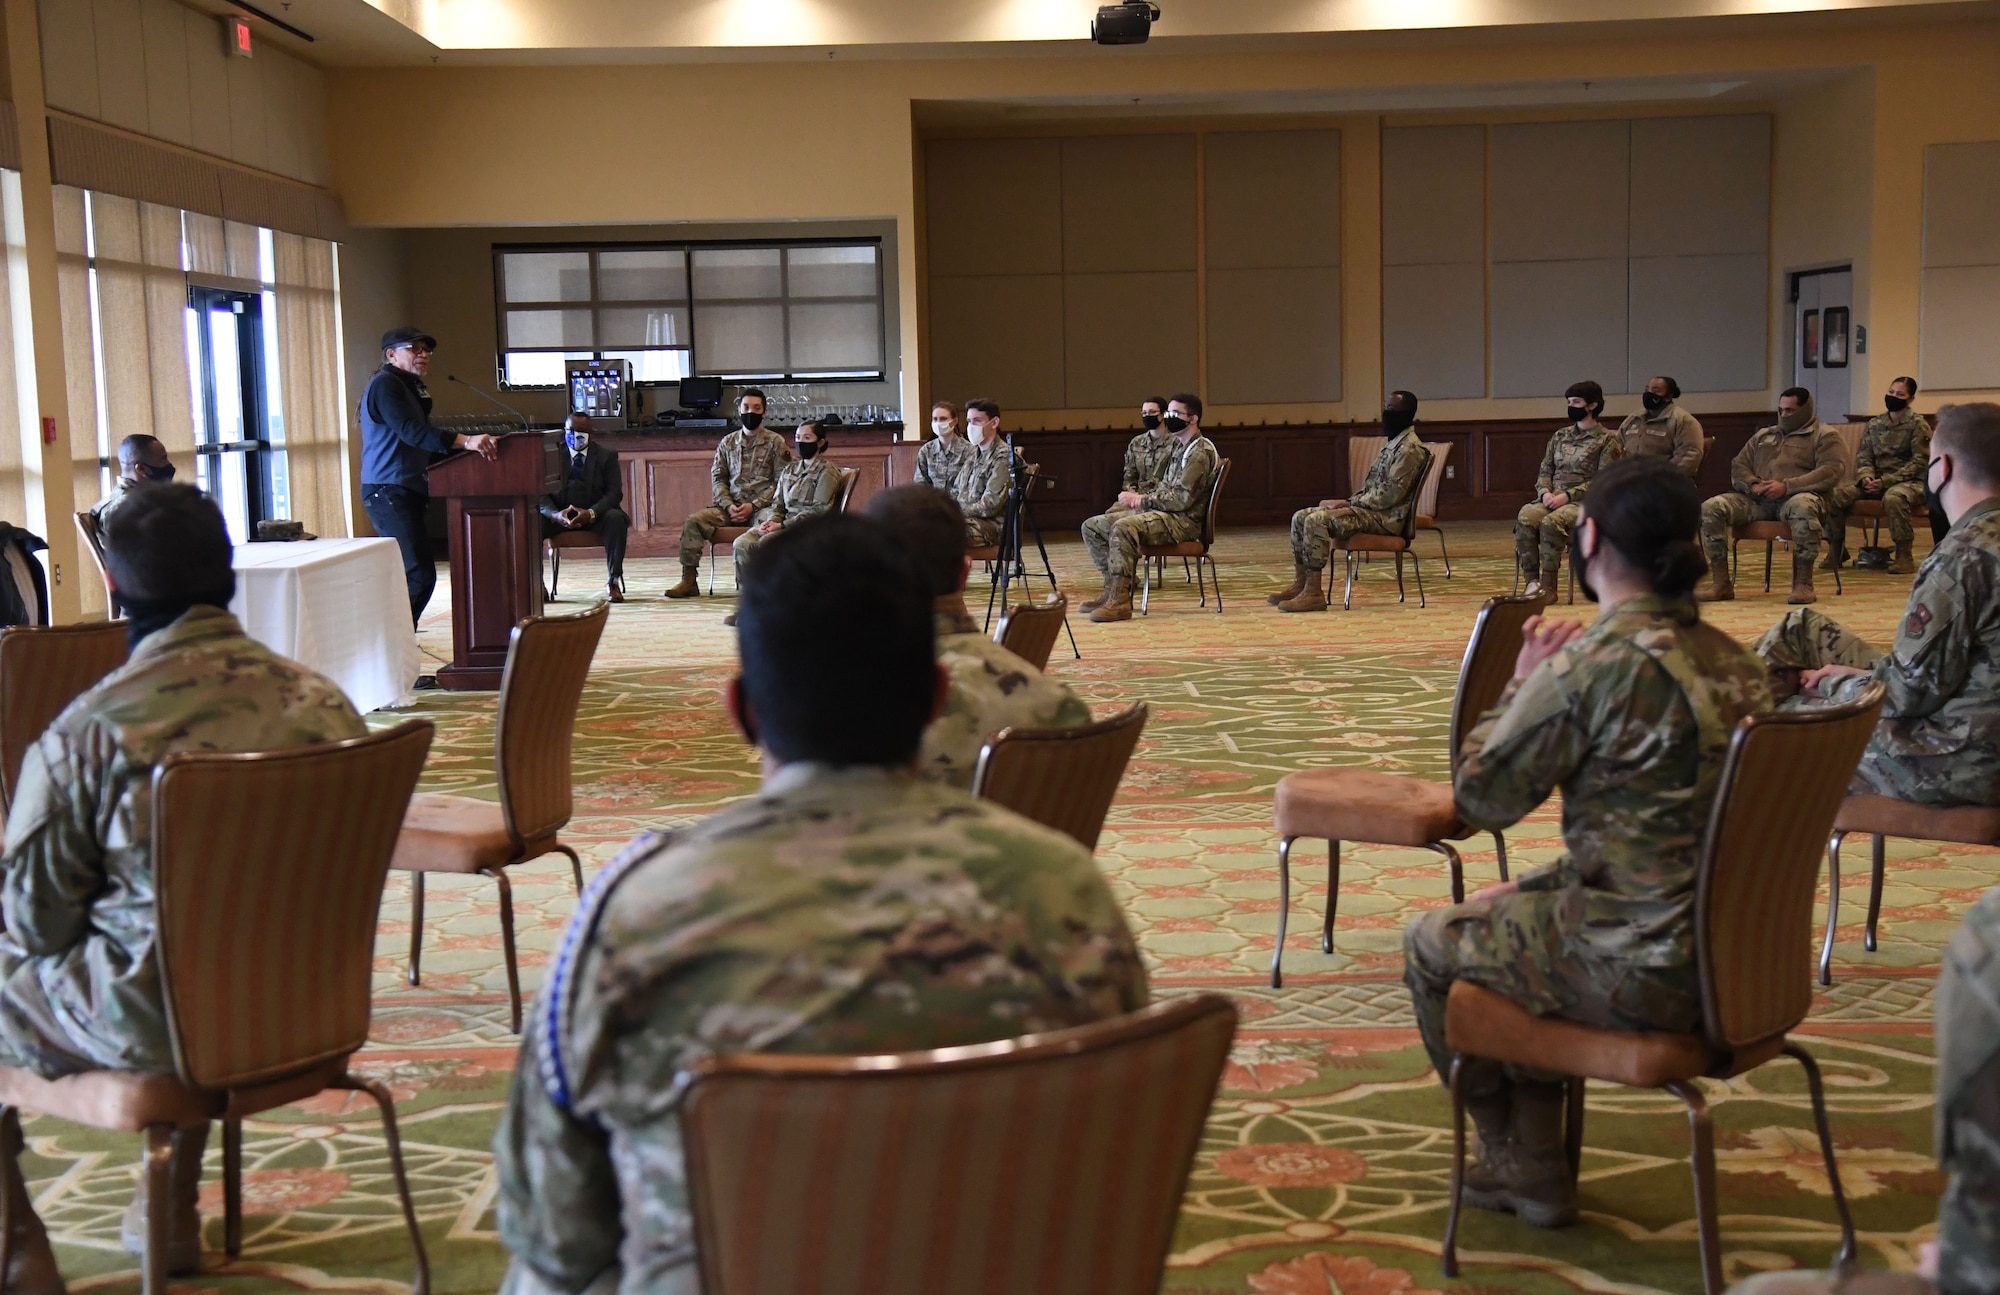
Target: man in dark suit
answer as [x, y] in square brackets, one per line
[590, 499]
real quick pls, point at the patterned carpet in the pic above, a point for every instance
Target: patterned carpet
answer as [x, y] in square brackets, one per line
[1325, 1163]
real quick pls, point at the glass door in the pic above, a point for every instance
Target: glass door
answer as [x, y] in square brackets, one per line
[233, 447]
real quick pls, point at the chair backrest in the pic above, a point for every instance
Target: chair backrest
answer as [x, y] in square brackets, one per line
[1489, 661]
[1214, 504]
[44, 668]
[548, 659]
[93, 543]
[1850, 447]
[1410, 514]
[1361, 454]
[1064, 778]
[1782, 784]
[848, 476]
[1053, 1163]
[1031, 629]
[269, 869]
[1707, 447]
[1427, 493]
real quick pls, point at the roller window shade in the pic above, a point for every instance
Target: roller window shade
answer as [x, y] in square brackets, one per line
[10, 137]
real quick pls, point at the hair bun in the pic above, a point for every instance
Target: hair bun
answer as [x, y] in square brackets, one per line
[1678, 567]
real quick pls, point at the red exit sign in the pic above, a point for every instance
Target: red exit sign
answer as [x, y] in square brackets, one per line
[239, 37]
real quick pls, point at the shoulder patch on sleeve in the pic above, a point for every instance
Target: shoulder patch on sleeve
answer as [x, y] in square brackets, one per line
[1918, 622]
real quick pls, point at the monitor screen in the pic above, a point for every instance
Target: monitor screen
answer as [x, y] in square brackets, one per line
[701, 393]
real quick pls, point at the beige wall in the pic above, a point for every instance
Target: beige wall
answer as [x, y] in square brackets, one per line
[836, 140]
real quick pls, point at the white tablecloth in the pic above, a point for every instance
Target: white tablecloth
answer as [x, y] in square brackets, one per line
[339, 606]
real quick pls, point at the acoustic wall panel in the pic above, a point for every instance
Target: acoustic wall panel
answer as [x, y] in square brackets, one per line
[1273, 198]
[999, 336]
[1701, 319]
[994, 206]
[1701, 186]
[1960, 346]
[1434, 330]
[1274, 335]
[1558, 322]
[1128, 203]
[1127, 336]
[1434, 195]
[1559, 190]
[1962, 204]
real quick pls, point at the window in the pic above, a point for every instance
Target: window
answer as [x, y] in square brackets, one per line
[763, 311]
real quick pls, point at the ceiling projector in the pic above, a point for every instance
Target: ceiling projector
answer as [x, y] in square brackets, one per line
[1124, 24]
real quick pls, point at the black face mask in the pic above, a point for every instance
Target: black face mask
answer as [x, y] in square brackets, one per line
[1582, 562]
[1149, 421]
[1654, 401]
[1576, 415]
[751, 422]
[1398, 420]
[1895, 404]
[1175, 424]
[157, 474]
[807, 449]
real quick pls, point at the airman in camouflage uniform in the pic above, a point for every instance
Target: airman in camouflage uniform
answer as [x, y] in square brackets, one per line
[1938, 742]
[1146, 455]
[1889, 466]
[1541, 533]
[1795, 463]
[980, 490]
[1381, 507]
[1632, 720]
[991, 689]
[940, 459]
[1170, 512]
[1663, 430]
[744, 472]
[806, 488]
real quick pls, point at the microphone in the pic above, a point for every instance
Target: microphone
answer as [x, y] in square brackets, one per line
[490, 398]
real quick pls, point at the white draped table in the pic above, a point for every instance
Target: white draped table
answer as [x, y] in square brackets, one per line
[338, 606]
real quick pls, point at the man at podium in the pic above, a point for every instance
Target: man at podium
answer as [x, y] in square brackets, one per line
[397, 445]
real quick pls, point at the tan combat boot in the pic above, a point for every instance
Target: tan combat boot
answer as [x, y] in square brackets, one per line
[1291, 590]
[1103, 597]
[31, 1261]
[1312, 598]
[1530, 1177]
[1802, 580]
[1493, 1117]
[1901, 563]
[184, 1224]
[1721, 588]
[1117, 605]
[687, 588]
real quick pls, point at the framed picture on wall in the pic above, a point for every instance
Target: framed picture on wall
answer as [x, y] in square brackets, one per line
[1809, 340]
[1833, 338]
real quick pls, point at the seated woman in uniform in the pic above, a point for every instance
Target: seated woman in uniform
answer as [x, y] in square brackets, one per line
[1631, 718]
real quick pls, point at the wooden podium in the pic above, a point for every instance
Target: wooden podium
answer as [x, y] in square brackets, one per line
[493, 525]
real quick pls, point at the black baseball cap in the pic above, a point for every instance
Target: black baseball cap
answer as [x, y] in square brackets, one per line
[400, 337]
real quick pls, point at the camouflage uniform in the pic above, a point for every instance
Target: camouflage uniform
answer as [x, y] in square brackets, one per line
[1170, 513]
[854, 910]
[79, 988]
[940, 459]
[1632, 720]
[1939, 739]
[1808, 461]
[1574, 456]
[806, 488]
[991, 689]
[1146, 459]
[121, 490]
[1380, 507]
[981, 491]
[1671, 433]
[745, 471]
[1895, 450]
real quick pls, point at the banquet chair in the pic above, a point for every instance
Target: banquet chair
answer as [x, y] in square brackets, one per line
[1774, 533]
[1031, 629]
[43, 668]
[1345, 804]
[1780, 787]
[1427, 498]
[553, 546]
[848, 478]
[92, 532]
[1354, 546]
[1151, 555]
[1882, 817]
[265, 971]
[1053, 1162]
[547, 662]
[725, 536]
[1064, 778]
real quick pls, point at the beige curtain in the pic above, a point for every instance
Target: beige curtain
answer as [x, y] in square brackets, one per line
[142, 328]
[218, 246]
[14, 436]
[309, 367]
[79, 366]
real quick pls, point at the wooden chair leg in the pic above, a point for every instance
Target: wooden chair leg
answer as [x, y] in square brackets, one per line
[1284, 911]
[1457, 1083]
[416, 928]
[1347, 603]
[394, 1142]
[575, 866]
[1701, 1129]
[10, 1174]
[1215, 579]
[1146, 591]
[1818, 1090]
[1573, 1128]
[1445, 553]
[159, 1207]
[1500, 849]
[1187, 575]
[1417, 565]
[1457, 869]
[1832, 906]
[1399, 578]
[499, 876]
[1768, 546]
[232, 1187]
[1332, 896]
[1878, 865]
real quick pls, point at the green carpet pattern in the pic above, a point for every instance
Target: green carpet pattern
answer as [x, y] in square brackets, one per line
[1325, 1164]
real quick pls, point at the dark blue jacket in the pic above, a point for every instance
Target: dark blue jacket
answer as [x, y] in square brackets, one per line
[397, 439]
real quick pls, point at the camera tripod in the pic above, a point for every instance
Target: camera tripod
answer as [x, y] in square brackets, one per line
[1010, 567]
